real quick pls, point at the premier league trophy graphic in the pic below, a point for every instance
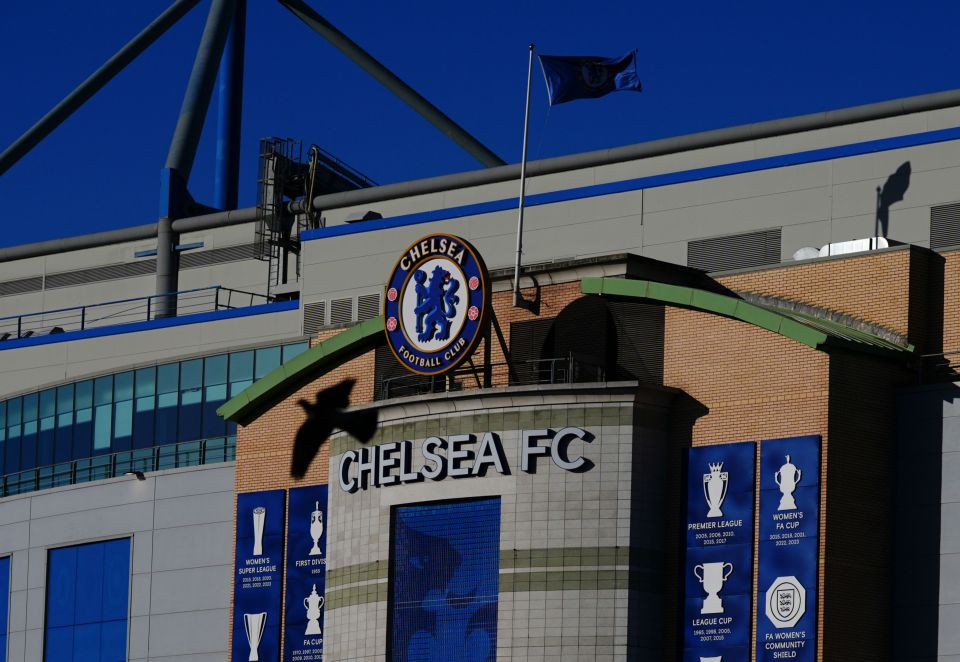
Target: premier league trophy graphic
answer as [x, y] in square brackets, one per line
[254, 624]
[713, 577]
[316, 529]
[313, 604]
[715, 488]
[259, 518]
[787, 478]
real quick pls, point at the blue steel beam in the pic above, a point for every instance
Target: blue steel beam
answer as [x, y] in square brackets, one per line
[229, 113]
[93, 84]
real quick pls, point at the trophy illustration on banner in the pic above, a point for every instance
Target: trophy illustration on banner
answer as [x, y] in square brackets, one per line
[254, 624]
[717, 658]
[259, 518]
[787, 478]
[713, 577]
[316, 529]
[715, 488]
[313, 604]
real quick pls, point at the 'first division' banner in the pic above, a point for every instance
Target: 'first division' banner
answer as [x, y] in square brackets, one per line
[718, 573]
[789, 525]
[258, 578]
[306, 574]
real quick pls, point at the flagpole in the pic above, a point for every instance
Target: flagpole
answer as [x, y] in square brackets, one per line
[523, 185]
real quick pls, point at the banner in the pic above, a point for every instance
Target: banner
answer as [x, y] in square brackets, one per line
[258, 578]
[718, 572]
[788, 549]
[306, 574]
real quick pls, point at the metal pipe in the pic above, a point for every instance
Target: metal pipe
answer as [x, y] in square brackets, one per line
[392, 82]
[230, 113]
[94, 83]
[168, 266]
[196, 100]
[523, 185]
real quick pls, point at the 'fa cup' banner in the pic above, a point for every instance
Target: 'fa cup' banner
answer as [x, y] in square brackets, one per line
[718, 571]
[789, 525]
[306, 574]
[258, 576]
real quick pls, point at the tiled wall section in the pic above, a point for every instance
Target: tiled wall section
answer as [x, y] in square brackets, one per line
[569, 584]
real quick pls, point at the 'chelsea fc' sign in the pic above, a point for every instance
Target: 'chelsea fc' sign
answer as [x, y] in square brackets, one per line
[436, 304]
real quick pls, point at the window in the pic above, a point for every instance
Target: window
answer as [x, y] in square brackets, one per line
[4, 605]
[87, 602]
[444, 580]
[103, 413]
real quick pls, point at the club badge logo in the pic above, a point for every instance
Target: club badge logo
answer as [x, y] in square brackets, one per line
[436, 304]
[786, 602]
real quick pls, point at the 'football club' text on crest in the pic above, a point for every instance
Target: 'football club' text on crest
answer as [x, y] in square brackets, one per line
[435, 305]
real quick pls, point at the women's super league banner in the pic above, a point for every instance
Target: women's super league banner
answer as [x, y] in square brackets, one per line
[718, 572]
[306, 574]
[258, 578]
[788, 549]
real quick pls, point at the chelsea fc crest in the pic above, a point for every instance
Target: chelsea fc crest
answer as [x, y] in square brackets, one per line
[436, 304]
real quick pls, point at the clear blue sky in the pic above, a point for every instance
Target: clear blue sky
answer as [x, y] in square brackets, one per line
[703, 64]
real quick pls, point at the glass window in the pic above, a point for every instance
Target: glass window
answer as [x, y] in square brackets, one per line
[3, 436]
[241, 371]
[462, 538]
[4, 605]
[12, 445]
[214, 395]
[122, 412]
[267, 359]
[48, 409]
[191, 395]
[83, 425]
[168, 396]
[102, 413]
[144, 420]
[289, 351]
[28, 442]
[87, 602]
[63, 447]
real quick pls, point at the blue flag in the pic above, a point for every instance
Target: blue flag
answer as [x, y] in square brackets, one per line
[588, 77]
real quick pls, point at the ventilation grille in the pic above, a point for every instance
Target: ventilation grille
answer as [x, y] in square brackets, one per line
[341, 311]
[21, 285]
[945, 226]
[736, 251]
[368, 306]
[110, 272]
[640, 328]
[386, 366]
[314, 317]
[193, 260]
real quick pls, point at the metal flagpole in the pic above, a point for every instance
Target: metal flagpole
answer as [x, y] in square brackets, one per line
[523, 185]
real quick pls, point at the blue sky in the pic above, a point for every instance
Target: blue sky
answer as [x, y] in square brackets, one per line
[703, 64]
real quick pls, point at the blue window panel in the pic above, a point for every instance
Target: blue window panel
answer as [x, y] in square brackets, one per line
[83, 433]
[63, 446]
[102, 425]
[28, 442]
[266, 360]
[113, 641]
[61, 587]
[115, 584]
[3, 438]
[445, 565]
[88, 607]
[290, 351]
[214, 395]
[144, 408]
[191, 396]
[59, 644]
[4, 605]
[122, 426]
[48, 411]
[12, 446]
[86, 642]
[168, 400]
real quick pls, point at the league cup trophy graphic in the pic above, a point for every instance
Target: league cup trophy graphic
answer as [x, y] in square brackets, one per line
[715, 488]
[254, 624]
[713, 577]
[787, 478]
[259, 518]
[313, 604]
[316, 529]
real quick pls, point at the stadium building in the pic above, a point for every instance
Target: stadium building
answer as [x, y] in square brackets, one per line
[717, 426]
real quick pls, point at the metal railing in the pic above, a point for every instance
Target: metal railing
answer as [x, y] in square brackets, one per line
[517, 373]
[125, 311]
[100, 467]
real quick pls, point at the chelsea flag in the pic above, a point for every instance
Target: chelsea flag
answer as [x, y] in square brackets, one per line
[588, 77]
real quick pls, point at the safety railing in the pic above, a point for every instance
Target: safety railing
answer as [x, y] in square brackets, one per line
[125, 311]
[100, 467]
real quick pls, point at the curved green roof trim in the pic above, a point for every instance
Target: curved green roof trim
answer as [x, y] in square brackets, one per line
[301, 370]
[809, 330]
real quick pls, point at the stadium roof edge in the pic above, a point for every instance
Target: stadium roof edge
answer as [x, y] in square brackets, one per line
[700, 140]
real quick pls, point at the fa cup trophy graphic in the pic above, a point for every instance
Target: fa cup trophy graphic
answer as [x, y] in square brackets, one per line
[787, 478]
[259, 517]
[715, 488]
[254, 624]
[313, 604]
[316, 529]
[713, 576]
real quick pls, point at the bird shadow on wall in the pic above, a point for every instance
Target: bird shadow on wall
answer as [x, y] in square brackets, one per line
[892, 191]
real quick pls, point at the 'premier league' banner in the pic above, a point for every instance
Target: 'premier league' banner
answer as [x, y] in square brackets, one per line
[718, 573]
[306, 574]
[789, 524]
[258, 578]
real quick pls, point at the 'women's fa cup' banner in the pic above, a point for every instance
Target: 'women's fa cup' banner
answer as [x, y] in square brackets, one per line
[718, 573]
[306, 574]
[788, 549]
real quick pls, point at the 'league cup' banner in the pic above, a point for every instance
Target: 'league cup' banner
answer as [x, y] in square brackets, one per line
[258, 578]
[718, 572]
[306, 574]
[789, 524]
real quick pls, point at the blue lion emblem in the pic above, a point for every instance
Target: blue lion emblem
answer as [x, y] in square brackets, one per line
[436, 303]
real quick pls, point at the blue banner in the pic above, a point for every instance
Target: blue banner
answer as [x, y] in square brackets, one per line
[718, 572]
[306, 574]
[788, 549]
[258, 578]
